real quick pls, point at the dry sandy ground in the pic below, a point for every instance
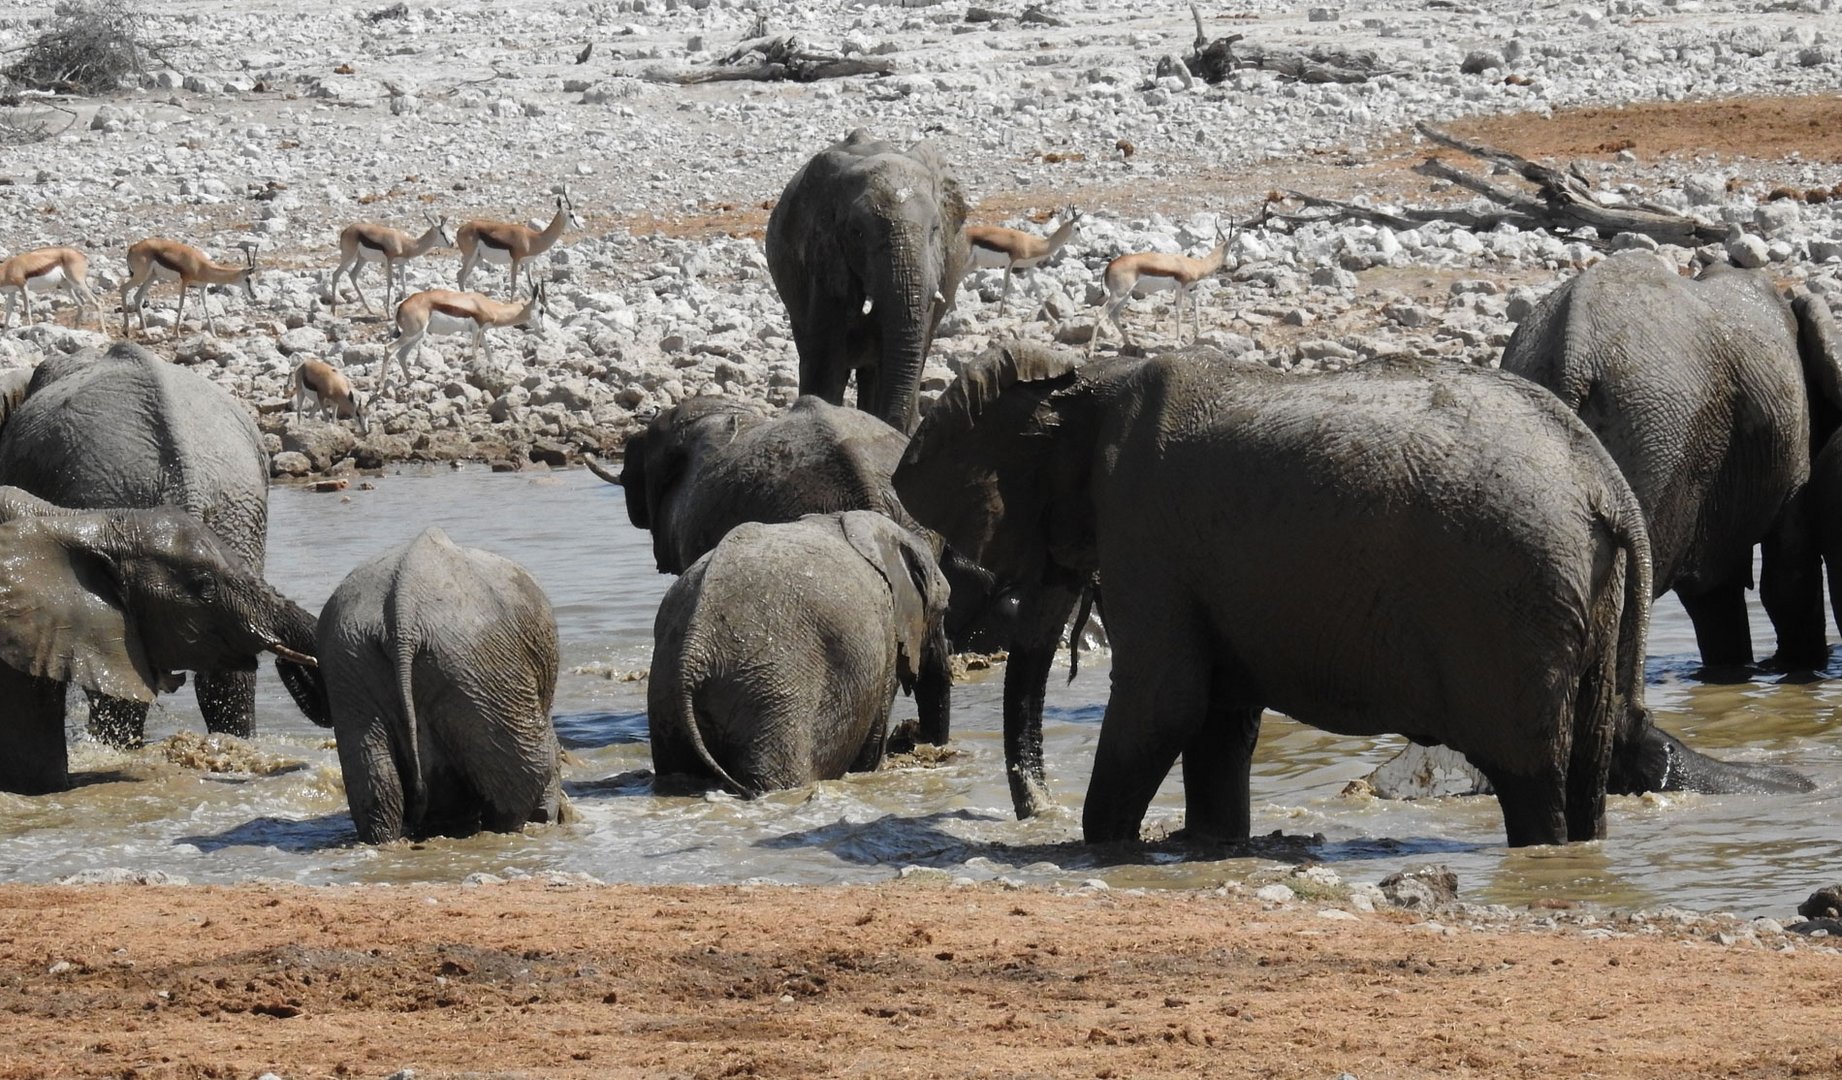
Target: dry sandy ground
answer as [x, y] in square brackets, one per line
[904, 979]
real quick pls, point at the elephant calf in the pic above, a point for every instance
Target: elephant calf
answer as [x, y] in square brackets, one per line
[440, 665]
[777, 655]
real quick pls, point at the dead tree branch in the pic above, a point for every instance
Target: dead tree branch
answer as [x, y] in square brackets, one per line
[782, 58]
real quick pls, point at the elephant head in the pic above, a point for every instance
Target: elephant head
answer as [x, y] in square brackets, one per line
[122, 602]
[657, 460]
[866, 247]
[1018, 506]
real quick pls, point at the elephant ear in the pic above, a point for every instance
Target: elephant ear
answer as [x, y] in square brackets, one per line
[1819, 346]
[916, 589]
[13, 384]
[633, 480]
[62, 613]
[978, 469]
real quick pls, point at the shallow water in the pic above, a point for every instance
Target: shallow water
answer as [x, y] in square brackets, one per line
[134, 809]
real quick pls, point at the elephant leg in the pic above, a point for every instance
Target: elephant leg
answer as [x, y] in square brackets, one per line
[373, 788]
[34, 758]
[1218, 769]
[1791, 589]
[1721, 633]
[934, 692]
[1534, 807]
[822, 338]
[228, 701]
[1160, 700]
[1040, 619]
[118, 722]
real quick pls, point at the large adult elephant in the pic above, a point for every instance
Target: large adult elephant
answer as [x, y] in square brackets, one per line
[777, 655]
[122, 603]
[1426, 549]
[124, 428]
[1702, 389]
[867, 246]
[440, 668]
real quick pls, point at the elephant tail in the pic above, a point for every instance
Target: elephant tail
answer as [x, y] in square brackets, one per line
[406, 740]
[1610, 719]
[684, 704]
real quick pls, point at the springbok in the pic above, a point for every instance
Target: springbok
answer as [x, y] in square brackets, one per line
[157, 259]
[508, 243]
[444, 311]
[1148, 272]
[331, 393]
[365, 242]
[44, 270]
[994, 246]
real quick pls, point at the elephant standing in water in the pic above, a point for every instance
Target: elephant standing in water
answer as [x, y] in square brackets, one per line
[440, 667]
[866, 246]
[122, 603]
[1420, 548]
[1704, 391]
[125, 429]
[776, 656]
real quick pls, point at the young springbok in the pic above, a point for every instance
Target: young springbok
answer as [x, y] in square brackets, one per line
[331, 393]
[508, 243]
[994, 246]
[157, 259]
[1144, 273]
[444, 311]
[365, 242]
[44, 270]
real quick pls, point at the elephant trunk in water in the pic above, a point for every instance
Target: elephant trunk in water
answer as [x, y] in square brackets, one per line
[293, 634]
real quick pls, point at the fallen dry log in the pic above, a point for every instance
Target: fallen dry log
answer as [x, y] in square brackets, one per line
[1560, 202]
[774, 59]
[1214, 60]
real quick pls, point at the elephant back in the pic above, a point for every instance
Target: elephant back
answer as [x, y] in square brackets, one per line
[124, 428]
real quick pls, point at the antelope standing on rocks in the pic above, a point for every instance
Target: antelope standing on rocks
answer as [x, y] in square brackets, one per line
[331, 393]
[508, 243]
[994, 246]
[1148, 272]
[157, 259]
[46, 270]
[444, 311]
[367, 242]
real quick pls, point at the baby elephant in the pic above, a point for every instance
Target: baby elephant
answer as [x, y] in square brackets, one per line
[440, 666]
[776, 656]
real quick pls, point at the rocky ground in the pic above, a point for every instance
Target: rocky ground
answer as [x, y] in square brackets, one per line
[913, 978]
[273, 124]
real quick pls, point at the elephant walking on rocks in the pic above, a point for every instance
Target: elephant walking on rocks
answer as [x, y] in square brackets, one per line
[122, 603]
[1703, 389]
[1427, 549]
[866, 246]
[776, 656]
[440, 665]
[125, 429]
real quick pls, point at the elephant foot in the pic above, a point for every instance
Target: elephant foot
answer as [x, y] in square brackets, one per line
[1658, 761]
[1029, 794]
[1726, 674]
[228, 702]
[1797, 662]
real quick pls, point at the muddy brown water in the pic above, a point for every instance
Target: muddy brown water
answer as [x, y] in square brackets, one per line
[138, 810]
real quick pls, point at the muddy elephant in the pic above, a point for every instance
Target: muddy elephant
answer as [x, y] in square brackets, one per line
[440, 666]
[867, 246]
[1703, 391]
[1315, 572]
[123, 603]
[776, 657]
[124, 428]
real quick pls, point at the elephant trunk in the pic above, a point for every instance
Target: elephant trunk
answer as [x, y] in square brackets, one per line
[906, 305]
[1658, 761]
[290, 634]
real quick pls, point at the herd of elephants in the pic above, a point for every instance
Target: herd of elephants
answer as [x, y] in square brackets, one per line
[1459, 555]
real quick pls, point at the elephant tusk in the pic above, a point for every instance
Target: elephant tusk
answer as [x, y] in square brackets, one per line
[868, 302]
[939, 297]
[286, 653]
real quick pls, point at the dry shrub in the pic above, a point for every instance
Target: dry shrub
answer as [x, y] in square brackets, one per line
[89, 47]
[1817, 195]
[1783, 191]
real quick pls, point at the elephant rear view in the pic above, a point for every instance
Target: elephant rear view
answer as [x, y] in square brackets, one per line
[440, 667]
[1702, 390]
[776, 656]
[866, 246]
[125, 429]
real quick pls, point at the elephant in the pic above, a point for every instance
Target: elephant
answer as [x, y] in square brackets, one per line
[777, 655]
[1408, 546]
[1703, 390]
[125, 429]
[866, 247]
[440, 666]
[122, 602]
[710, 463]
